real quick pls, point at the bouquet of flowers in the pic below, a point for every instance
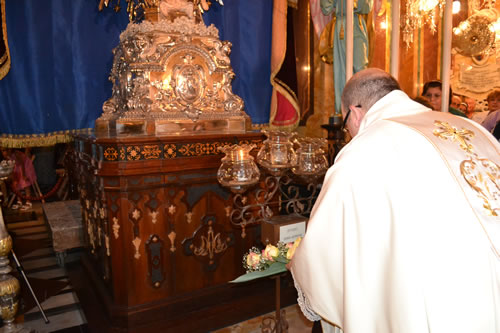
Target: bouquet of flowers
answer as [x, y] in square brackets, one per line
[272, 260]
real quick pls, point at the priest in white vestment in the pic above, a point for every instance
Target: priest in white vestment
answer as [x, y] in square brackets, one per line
[405, 234]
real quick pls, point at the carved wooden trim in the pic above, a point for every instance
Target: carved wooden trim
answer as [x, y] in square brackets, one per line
[154, 249]
[165, 151]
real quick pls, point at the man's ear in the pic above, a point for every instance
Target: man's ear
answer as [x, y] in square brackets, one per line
[357, 114]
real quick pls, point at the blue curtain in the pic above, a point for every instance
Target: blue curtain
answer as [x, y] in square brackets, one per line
[247, 24]
[61, 58]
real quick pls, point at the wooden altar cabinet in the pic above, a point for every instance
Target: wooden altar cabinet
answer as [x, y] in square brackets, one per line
[160, 246]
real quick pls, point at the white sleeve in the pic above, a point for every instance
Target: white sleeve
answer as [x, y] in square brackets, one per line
[305, 307]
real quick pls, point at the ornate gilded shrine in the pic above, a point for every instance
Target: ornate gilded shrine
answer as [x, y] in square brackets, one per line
[171, 74]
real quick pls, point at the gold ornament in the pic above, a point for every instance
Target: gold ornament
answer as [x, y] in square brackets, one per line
[476, 35]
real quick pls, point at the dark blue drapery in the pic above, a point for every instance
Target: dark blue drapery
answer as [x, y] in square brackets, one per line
[61, 59]
[247, 24]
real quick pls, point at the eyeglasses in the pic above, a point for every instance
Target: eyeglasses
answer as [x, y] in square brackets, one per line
[345, 121]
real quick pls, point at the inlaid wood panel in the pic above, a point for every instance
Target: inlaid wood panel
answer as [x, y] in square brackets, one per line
[156, 225]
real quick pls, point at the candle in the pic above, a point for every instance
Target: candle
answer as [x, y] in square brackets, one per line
[278, 155]
[241, 175]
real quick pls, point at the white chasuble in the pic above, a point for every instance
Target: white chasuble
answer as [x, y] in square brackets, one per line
[404, 236]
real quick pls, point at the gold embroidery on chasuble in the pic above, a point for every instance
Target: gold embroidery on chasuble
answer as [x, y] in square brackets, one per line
[481, 174]
[473, 158]
[446, 131]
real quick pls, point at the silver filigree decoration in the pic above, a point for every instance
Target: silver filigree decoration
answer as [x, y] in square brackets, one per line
[182, 25]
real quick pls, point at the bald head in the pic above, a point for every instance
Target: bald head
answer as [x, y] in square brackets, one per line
[366, 87]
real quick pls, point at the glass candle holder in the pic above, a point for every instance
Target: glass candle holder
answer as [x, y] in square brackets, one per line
[238, 170]
[277, 154]
[311, 158]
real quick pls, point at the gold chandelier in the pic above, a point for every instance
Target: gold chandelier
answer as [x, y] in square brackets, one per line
[418, 13]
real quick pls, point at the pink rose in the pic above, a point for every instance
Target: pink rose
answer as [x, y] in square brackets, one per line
[253, 260]
[291, 251]
[270, 252]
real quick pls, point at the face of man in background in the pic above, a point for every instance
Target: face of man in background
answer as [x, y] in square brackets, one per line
[463, 107]
[455, 102]
[494, 103]
[471, 102]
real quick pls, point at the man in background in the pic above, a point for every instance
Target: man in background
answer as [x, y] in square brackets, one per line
[405, 234]
[471, 107]
[472, 112]
[433, 91]
[493, 116]
[455, 101]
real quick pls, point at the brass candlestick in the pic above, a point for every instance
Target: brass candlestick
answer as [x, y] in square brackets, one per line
[9, 285]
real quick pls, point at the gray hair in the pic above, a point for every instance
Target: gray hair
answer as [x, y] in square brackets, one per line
[366, 87]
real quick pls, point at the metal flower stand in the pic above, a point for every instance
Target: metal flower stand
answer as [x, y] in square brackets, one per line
[278, 322]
